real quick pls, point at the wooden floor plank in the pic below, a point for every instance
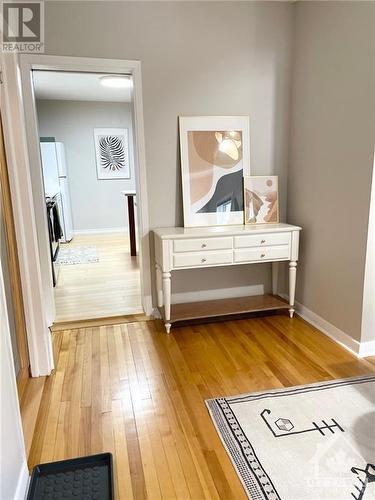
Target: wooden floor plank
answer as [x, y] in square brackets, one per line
[61, 450]
[103, 289]
[122, 464]
[139, 393]
[97, 443]
[30, 400]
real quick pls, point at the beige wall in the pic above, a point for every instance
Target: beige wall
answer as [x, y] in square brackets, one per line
[332, 140]
[198, 58]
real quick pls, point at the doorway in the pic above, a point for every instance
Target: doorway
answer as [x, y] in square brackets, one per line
[86, 133]
[31, 218]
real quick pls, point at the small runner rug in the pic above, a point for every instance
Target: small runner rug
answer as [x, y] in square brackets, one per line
[69, 256]
[314, 442]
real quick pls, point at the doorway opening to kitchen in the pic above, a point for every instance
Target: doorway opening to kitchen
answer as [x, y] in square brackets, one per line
[85, 124]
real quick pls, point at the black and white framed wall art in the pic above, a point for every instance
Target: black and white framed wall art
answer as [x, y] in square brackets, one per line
[112, 153]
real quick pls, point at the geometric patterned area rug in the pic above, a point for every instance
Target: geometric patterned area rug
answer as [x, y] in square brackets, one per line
[314, 442]
[68, 256]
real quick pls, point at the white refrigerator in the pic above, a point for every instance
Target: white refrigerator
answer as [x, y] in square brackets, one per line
[56, 182]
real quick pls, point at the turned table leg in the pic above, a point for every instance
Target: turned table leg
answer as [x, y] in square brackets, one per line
[292, 285]
[167, 300]
[275, 277]
[159, 285]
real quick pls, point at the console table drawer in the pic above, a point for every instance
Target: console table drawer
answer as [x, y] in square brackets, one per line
[196, 244]
[202, 259]
[262, 253]
[258, 240]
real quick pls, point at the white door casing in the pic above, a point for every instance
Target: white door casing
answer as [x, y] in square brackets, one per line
[12, 113]
[36, 260]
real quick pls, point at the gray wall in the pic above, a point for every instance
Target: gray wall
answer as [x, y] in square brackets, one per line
[198, 58]
[96, 204]
[332, 141]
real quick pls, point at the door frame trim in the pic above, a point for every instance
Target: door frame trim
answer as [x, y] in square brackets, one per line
[41, 359]
[38, 334]
[13, 261]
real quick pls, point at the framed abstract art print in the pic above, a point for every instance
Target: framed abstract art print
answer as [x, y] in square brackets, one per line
[112, 153]
[261, 199]
[215, 156]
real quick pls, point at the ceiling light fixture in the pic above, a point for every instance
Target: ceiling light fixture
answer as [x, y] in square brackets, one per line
[115, 81]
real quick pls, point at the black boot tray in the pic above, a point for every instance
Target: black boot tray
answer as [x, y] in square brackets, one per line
[85, 478]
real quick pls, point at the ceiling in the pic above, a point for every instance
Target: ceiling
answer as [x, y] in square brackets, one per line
[76, 87]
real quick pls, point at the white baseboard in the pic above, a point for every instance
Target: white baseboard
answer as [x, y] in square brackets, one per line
[359, 349]
[156, 313]
[101, 231]
[23, 483]
[367, 349]
[221, 293]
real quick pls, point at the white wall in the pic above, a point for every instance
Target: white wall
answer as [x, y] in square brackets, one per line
[368, 312]
[198, 58]
[96, 204]
[13, 467]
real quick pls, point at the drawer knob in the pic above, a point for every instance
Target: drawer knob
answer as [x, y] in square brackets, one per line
[262, 255]
[263, 241]
[204, 245]
[203, 260]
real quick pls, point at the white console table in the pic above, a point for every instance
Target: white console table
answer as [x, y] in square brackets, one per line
[187, 248]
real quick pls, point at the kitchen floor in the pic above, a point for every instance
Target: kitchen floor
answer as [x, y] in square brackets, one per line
[109, 287]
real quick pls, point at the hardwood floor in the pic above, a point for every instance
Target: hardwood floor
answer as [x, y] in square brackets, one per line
[139, 393]
[110, 287]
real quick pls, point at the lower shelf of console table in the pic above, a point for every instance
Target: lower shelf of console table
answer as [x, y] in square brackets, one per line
[210, 309]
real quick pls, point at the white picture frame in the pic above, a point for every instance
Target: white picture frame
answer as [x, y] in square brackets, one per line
[112, 153]
[215, 156]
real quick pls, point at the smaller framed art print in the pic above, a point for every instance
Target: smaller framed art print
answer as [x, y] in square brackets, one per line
[261, 199]
[215, 156]
[112, 153]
